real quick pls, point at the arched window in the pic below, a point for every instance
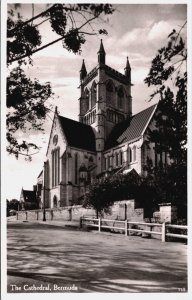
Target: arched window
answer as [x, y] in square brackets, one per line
[108, 162]
[76, 168]
[110, 92]
[86, 99]
[90, 162]
[129, 155]
[105, 160]
[93, 94]
[116, 159]
[55, 167]
[134, 153]
[121, 158]
[120, 98]
[54, 201]
[90, 159]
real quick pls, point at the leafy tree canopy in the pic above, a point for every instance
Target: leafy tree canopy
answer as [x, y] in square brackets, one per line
[26, 98]
[102, 193]
[169, 75]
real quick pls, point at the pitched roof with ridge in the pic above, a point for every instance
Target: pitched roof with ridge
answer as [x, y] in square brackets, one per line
[29, 196]
[78, 135]
[131, 128]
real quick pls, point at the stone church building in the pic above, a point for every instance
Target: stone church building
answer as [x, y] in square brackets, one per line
[107, 139]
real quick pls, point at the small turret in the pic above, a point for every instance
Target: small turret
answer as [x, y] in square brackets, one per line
[83, 71]
[101, 54]
[128, 70]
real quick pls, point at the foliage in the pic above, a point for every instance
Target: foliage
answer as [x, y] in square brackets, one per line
[30, 205]
[24, 35]
[26, 98]
[169, 66]
[14, 204]
[7, 208]
[26, 101]
[102, 194]
[168, 74]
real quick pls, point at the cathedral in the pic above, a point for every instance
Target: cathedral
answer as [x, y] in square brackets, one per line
[106, 140]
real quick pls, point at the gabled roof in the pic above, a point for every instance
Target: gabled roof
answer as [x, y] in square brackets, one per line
[77, 134]
[29, 196]
[131, 128]
[40, 174]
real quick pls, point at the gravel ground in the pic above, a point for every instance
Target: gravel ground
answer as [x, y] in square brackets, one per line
[48, 257]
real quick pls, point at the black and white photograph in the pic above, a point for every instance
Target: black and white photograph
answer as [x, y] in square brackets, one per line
[95, 148]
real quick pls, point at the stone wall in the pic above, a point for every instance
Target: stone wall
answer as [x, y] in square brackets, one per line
[121, 210]
[125, 209]
[166, 213]
[70, 213]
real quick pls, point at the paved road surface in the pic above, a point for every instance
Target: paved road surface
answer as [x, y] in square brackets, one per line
[53, 256]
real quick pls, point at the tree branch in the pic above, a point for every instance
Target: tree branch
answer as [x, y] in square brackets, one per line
[49, 44]
[31, 20]
[42, 22]
[36, 50]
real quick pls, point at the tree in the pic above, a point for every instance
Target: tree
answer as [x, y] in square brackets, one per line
[168, 69]
[7, 208]
[27, 99]
[14, 204]
[102, 193]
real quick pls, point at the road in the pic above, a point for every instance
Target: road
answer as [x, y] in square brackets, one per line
[44, 256]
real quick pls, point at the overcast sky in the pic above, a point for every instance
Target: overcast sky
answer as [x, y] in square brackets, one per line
[136, 31]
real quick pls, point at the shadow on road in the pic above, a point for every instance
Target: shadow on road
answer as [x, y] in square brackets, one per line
[94, 262]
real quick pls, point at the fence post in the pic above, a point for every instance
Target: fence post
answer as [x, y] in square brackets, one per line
[99, 223]
[126, 227]
[17, 216]
[37, 215]
[26, 215]
[163, 232]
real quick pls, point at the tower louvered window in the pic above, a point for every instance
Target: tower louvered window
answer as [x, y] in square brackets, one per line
[93, 94]
[110, 93]
[120, 95]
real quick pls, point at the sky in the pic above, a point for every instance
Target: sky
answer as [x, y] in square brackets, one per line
[134, 30]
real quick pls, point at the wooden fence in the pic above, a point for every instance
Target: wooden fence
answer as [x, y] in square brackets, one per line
[126, 227]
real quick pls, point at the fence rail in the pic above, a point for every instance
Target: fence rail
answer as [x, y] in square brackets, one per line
[99, 223]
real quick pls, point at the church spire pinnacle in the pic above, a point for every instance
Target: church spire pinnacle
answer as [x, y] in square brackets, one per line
[83, 71]
[101, 54]
[128, 69]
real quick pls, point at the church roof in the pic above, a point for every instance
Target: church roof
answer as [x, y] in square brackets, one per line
[131, 128]
[29, 196]
[78, 135]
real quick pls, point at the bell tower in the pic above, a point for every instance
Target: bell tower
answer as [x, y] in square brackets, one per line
[105, 99]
